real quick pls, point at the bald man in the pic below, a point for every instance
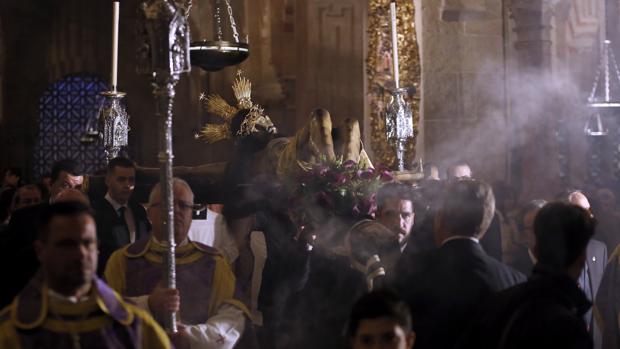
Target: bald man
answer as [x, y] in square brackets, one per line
[592, 273]
[210, 313]
[71, 194]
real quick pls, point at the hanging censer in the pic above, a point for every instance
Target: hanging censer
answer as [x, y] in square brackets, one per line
[213, 55]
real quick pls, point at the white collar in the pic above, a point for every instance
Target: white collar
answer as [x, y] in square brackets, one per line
[460, 237]
[113, 202]
[71, 299]
[183, 243]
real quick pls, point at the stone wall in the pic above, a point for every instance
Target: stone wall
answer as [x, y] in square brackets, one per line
[462, 88]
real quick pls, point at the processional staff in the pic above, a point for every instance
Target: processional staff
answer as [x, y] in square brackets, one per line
[164, 54]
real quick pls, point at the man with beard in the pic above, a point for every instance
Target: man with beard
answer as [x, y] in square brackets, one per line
[65, 305]
[395, 210]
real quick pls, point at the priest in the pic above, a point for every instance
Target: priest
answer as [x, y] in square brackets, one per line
[65, 305]
[210, 313]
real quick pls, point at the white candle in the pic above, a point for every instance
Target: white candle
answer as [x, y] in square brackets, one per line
[394, 42]
[115, 8]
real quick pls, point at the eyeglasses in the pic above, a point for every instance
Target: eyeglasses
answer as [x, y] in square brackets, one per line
[182, 205]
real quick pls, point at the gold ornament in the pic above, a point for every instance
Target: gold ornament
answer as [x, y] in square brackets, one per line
[380, 71]
[217, 105]
[243, 91]
[215, 132]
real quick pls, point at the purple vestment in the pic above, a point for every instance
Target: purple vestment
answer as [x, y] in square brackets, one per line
[194, 270]
[112, 325]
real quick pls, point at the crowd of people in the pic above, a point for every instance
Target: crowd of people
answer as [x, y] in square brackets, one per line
[442, 263]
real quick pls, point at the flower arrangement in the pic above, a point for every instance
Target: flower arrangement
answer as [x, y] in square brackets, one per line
[342, 188]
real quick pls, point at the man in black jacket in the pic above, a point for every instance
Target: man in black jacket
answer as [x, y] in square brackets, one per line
[592, 273]
[548, 310]
[444, 287]
[491, 242]
[120, 221]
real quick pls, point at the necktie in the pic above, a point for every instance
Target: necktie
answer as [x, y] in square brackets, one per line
[121, 213]
[585, 285]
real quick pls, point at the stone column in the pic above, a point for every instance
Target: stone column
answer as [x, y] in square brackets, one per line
[534, 161]
[532, 25]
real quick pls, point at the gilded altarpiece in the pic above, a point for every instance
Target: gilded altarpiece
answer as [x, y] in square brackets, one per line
[380, 72]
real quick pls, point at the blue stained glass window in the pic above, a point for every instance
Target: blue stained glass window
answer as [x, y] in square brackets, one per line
[64, 110]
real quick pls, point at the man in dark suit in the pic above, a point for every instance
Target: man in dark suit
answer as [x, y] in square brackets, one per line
[608, 303]
[444, 287]
[596, 254]
[120, 221]
[491, 242]
[523, 258]
[592, 273]
[547, 311]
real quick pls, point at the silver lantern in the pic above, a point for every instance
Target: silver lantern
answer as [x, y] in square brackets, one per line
[114, 123]
[399, 124]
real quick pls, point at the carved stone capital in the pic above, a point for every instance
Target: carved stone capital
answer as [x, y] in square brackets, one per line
[532, 20]
[545, 5]
[464, 10]
[532, 14]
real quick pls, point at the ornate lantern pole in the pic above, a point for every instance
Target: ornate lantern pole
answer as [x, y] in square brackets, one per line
[164, 54]
[113, 119]
[399, 116]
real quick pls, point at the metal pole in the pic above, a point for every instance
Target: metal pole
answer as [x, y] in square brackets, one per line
[164, 96]
[164, 54]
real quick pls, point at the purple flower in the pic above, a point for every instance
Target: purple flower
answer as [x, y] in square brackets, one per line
[368, 174]
[337, 178]
[386, 176]
[349, 164]
[320, 170]
[381, 167]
